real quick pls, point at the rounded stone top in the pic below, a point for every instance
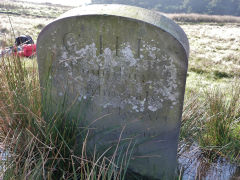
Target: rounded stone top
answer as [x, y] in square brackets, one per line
[152, 17]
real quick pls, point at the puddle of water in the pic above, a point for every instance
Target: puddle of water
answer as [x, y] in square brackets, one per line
[193, 165]
[3, 158]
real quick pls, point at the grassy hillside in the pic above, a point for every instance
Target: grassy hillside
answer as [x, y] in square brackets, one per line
[46, 10]
[25, 18]
[217, 7]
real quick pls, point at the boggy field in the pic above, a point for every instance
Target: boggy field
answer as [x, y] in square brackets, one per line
[215, 51]
[211, 107]
[210, 134]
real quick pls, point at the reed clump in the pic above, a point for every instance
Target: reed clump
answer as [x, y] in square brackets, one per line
[213, 120]
[53, 146]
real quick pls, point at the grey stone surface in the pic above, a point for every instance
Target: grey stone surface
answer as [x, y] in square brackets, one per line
[129, 66]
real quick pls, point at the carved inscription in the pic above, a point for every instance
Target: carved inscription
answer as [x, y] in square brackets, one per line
[70, 42]
[121, 76]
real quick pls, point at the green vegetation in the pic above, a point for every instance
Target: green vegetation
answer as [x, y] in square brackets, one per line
[219, 7]
[223, 110]
[211, 107]
[212, 120]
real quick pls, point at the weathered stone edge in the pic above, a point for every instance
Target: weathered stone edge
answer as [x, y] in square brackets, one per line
[136, 13]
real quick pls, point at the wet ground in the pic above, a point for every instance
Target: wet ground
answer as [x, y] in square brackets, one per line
[193, 165]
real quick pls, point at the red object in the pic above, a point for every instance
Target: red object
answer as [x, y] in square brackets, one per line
[27, 50]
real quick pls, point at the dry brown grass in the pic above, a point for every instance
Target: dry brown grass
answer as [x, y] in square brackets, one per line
[197, 18]
[214, 54]
[43, 10]
[48, 145]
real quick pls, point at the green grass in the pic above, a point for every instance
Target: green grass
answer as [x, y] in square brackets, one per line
[223, 110]
[211, 118]
[220, 75]
[211, 90]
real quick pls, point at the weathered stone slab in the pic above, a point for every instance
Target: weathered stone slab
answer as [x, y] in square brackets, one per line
[129, 66]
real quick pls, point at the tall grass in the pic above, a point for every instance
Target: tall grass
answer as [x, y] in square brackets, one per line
[53, 146]
[223, 110]
[192, 118]
[41, 144]
[213, 120]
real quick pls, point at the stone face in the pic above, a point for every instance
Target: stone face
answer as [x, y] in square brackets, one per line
[128, 65]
